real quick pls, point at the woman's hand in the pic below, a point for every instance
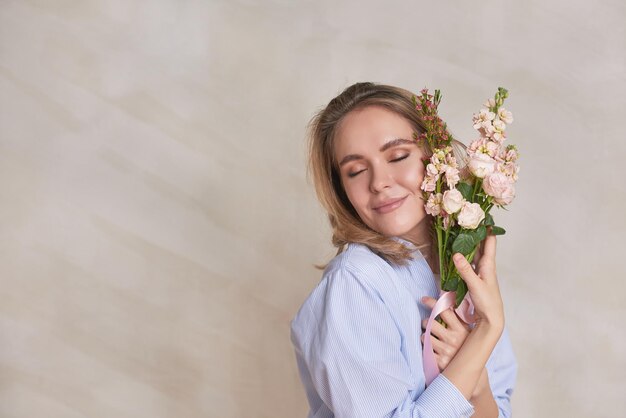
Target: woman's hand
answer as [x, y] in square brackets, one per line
[448, 340]
[483, 287]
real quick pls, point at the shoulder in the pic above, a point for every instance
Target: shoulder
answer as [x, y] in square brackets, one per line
[352, 274]
[360, 259]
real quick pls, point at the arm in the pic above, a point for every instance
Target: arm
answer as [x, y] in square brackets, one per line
[502, 373]
[492, 391]
[465, 369]
[482, 398]
[356, 363]
[492, 396]
[447, 341]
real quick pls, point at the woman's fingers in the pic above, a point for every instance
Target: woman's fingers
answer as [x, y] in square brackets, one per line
[436, 329]
[489, 253]
[483, 289]
[443, 352]
[449, 316]
[466, 271]
[439, 346]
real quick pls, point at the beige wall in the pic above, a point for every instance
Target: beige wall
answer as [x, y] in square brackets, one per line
[158, 232]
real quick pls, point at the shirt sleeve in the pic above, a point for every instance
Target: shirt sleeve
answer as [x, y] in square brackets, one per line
[502, 371]
[356, 362]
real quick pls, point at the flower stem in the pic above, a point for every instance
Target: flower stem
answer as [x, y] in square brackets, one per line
[477, 185]
[442, 275]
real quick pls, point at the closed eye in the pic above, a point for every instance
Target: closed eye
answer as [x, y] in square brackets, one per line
[400, 158]
[395, 160]
[355, 173]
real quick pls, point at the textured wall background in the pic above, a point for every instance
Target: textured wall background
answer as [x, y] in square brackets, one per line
[158, 232]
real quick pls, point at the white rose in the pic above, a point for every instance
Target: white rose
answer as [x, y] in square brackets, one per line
[481, 165]
[500, 186]
[471, 215]
[452, 201]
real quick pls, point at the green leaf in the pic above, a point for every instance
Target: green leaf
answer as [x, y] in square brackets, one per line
[465, 189]
[451, 284]
[463, 244]
[489, 220]
[479, 233]
[460, 292]
[496, 230]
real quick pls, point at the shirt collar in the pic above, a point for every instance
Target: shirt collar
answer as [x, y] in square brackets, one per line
[414, 250]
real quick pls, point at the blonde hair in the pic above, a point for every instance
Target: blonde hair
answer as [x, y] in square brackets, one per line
[346, 225]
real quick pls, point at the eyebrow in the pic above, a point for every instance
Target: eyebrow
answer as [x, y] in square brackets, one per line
[390, 144]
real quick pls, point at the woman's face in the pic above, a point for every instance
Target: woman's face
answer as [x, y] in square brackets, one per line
[381, 171]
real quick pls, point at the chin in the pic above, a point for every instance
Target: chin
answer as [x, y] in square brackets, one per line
[396, 230]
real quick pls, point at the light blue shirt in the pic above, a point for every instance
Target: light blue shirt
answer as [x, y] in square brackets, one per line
[358, 348]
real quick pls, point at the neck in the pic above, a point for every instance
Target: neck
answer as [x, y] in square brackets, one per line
[421, 237]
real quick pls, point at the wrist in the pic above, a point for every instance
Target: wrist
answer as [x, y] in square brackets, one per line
[491, 328]
[483, 384]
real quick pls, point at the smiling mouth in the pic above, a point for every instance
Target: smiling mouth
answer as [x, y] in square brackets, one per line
[391, 206]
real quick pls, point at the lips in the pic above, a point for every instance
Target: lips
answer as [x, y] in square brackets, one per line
[390, 205]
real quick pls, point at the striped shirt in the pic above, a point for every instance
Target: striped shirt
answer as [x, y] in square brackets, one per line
[358, 349]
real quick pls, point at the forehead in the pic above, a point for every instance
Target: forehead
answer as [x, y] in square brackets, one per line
[371, 126]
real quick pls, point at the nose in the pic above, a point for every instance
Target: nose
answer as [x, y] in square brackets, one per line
[381, 179]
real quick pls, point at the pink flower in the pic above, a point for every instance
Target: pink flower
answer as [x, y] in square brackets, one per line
[451, 161]
[498, 134]
[509, 169]
[433, 204]
[511, 155]
[500, 186]
[483, 116]
[475, 145]
[434, 160]
[483, 145]
[481, 165]
[452, 176]
[439, 155]
[505, 115]
[452, 201]
[447, 222]
[486, 129]
[471, 215]
[429, 184]
[490, 148]
[490, 103]
[431, 170]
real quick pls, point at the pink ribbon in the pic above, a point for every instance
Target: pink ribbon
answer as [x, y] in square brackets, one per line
[465, 312]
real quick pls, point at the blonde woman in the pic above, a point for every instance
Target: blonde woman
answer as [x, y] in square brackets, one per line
[358, 335]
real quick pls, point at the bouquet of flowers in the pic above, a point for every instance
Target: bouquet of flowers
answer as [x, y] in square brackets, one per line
[461, 194]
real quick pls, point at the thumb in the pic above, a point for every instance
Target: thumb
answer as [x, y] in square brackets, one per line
[465, 270]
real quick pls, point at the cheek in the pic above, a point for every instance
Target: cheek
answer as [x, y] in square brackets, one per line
[356, 195]
[415, 176]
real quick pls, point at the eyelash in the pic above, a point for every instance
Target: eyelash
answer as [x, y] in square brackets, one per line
[395, 160]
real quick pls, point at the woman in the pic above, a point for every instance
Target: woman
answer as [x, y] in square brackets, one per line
[357, 336]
